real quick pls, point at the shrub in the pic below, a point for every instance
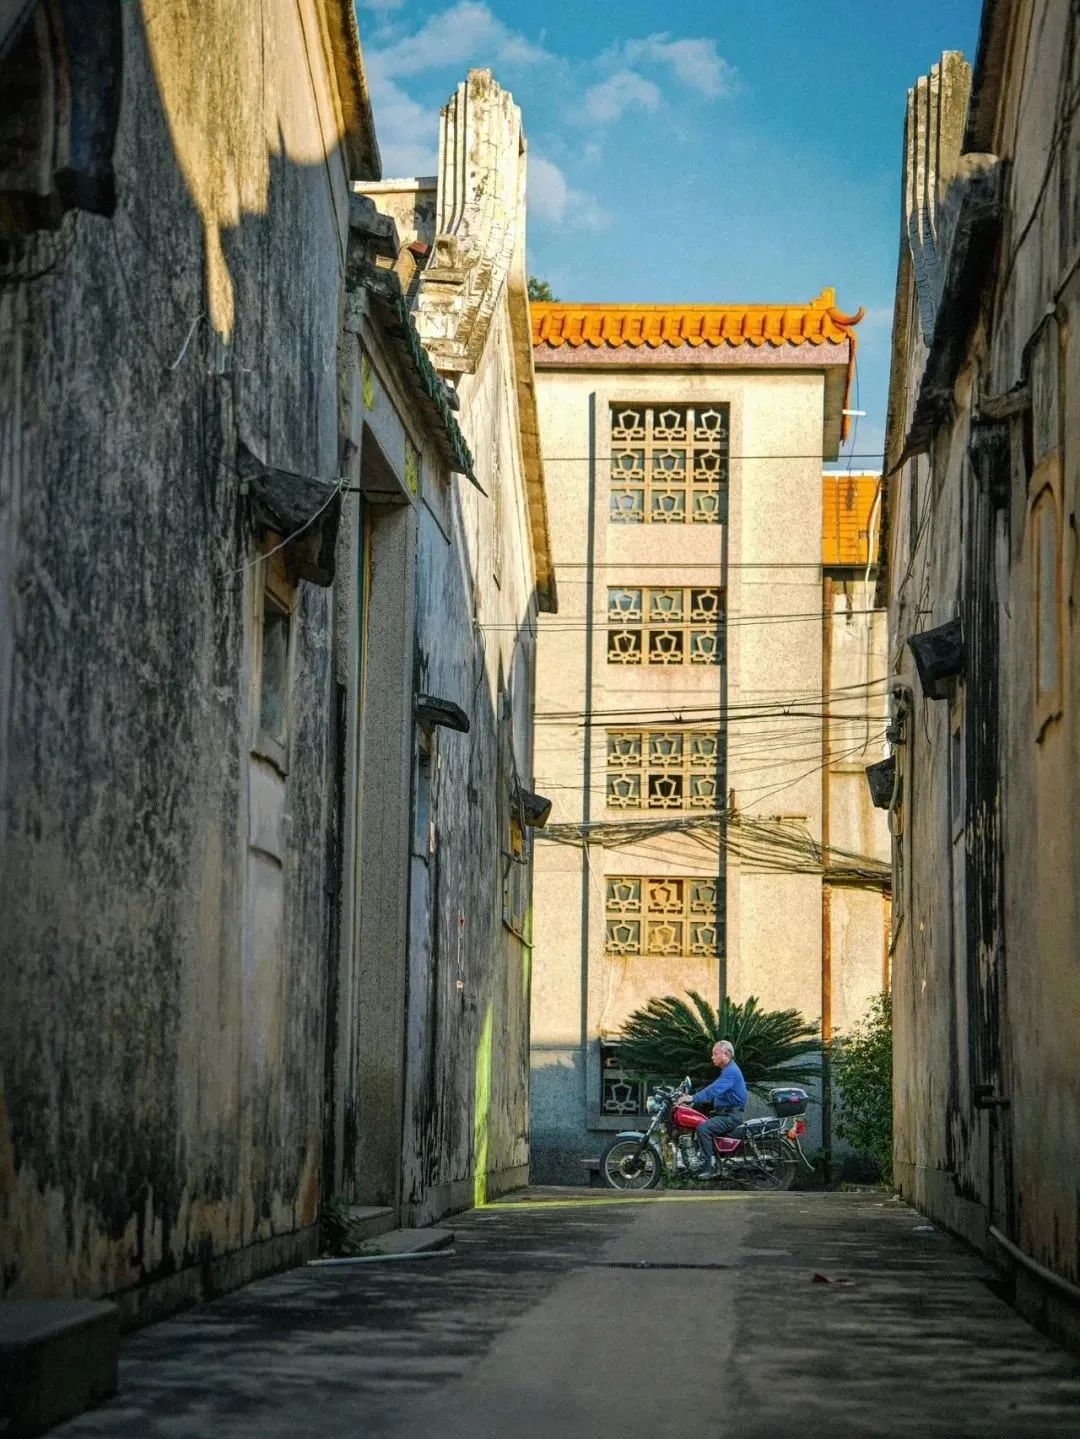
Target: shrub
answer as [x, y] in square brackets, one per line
[669, 1038]
[540, 289]
[862, 1073]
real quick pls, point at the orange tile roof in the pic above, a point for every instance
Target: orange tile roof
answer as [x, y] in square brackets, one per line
[847, 512]
[612, 326]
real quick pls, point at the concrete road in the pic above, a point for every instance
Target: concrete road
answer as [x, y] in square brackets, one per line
[562, 1314]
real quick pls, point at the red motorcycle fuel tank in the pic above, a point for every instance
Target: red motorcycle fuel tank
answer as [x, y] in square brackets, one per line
[683, 1117]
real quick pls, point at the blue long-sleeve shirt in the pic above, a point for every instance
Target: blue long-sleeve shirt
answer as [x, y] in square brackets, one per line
[727, 1091]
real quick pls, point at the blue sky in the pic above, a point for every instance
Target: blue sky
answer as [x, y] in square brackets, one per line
[733, 151]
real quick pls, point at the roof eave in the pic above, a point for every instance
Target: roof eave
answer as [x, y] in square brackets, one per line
[547, 598]
[357, 124]
[990, 59]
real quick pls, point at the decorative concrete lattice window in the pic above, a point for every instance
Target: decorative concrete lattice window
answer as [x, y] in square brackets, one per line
[620, 1093]
[662, 917]
[664, 769]
[665, 626]
[669, 465]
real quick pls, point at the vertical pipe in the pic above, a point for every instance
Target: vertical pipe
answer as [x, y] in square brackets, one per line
[886, 944]
[586, 766]
[722, 757]
[826, 891]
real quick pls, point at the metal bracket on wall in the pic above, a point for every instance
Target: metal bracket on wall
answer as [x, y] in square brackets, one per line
[983, 1097]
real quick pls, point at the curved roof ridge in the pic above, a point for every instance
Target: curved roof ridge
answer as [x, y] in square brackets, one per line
[610, 326]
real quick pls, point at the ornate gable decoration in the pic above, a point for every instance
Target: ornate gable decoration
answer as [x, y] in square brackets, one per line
[480, 208]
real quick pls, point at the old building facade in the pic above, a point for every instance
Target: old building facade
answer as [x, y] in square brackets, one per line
[446, 805]
[981, 502]
[245, 582]
[856, 905]
[682, 685]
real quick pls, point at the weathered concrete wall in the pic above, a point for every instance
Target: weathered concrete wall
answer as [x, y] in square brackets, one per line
[467, 1106]
[162, 1062]
[464, 1067]
[987, 867]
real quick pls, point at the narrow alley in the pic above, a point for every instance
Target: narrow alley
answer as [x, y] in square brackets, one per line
[575, 1313]
[539, 636]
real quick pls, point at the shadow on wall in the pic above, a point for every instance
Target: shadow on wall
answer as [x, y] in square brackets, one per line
[560, 1140]
[212, 71]
[161, 1099]
[466, 1126]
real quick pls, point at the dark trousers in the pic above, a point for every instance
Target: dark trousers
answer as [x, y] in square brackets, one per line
[722, 1122]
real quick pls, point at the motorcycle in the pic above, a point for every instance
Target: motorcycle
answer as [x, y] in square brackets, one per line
[759, 1153]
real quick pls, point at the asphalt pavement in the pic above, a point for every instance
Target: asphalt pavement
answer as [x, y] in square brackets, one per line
[558, 1314]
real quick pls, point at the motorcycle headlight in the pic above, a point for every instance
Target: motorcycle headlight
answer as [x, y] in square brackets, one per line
[652, 1104]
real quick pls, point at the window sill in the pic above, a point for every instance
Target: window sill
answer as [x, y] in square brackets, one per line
[275, 753]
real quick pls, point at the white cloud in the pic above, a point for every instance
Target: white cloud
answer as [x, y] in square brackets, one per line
[618, 93]
[695, 62]
[466, 32]
[554, 202]
[878, 317]
[407, 132]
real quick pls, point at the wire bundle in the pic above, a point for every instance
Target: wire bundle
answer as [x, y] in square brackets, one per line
[776, 845]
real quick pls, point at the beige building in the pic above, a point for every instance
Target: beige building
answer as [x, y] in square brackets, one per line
[682, 686]
[856, 909]
[983, 456]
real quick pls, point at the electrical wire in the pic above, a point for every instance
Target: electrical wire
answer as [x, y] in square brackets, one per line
[725, 622]
[773, 844]
[787, 698]
[250, 564]
[730, 459]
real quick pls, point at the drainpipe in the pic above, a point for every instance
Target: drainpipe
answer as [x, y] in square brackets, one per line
[826, 891]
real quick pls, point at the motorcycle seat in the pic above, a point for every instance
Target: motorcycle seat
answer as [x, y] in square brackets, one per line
[751, 1126]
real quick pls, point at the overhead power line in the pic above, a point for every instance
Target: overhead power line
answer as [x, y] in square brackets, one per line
[771, 844]
[600, 457]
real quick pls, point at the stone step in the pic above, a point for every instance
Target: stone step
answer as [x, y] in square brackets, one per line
[395, 1244]
[57, 1358]
[371, 1220]
[411, 1241]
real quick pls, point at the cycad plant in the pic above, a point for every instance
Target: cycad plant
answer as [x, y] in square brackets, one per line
[669, 1038]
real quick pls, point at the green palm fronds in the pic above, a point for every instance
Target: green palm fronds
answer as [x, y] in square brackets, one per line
[669, 1038]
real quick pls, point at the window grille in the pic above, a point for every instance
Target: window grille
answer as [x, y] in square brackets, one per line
[664, 769]
[665, 626]
[619, 1092]
[662, 917]
[669, 466]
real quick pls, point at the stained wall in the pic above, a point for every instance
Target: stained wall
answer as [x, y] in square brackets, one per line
[161, 1053]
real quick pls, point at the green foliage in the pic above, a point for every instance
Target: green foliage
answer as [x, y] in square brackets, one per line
[540, 290]
[669, 1038]
[339, 1234]
[862, 1073]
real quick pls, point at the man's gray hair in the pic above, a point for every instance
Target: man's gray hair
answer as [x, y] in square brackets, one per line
[727, 1046]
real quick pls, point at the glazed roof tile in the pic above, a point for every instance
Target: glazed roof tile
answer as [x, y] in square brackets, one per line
[847, 508]
[614, 326]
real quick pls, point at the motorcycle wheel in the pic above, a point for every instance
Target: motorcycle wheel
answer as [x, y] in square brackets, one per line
[776, 1170]
[624, 1164]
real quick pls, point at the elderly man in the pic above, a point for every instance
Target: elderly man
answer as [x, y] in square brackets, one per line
[727, 1095]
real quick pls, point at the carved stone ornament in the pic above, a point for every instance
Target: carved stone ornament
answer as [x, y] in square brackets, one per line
[480, 212]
